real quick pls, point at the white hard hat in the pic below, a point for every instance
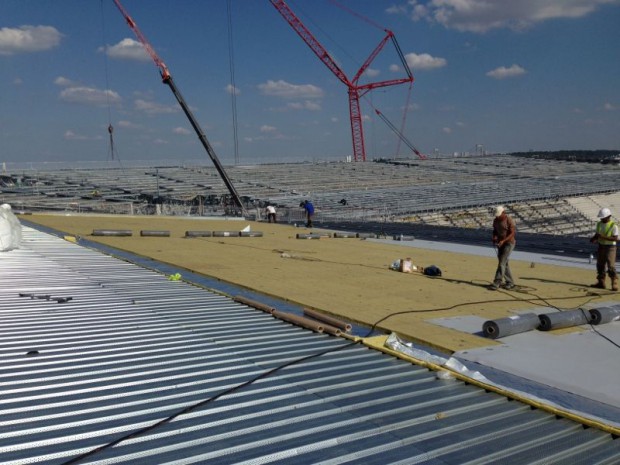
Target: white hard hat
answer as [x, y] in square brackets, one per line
[499, 210]
[604, 213]
[6, 206]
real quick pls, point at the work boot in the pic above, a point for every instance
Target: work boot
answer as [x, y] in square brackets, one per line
[614, 283]
[600, 283]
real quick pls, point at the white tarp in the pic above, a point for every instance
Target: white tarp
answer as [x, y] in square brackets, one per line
[10, 229]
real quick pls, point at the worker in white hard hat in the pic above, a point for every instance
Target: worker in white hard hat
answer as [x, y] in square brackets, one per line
[606, 236]
[504, 230]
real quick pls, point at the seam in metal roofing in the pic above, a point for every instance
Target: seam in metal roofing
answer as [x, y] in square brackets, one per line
[132, 349]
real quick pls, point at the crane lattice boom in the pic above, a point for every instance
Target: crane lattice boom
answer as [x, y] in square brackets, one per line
[355, 91]
[167, 79]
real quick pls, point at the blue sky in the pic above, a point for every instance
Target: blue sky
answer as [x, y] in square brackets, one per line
[504, 75]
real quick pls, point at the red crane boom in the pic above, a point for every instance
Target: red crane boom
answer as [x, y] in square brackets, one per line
[167, 79]
[355, 91]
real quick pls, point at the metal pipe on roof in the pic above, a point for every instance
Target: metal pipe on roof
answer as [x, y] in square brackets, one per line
[254, 303]
[508, 326]
[332, 330]
[549, 321]
[330, 320]
[605, 315]
[299, 321]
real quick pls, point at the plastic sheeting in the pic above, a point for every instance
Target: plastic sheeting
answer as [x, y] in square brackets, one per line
[397, 344]
[10, 229]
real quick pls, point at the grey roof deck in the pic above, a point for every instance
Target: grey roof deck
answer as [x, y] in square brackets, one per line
[186, 375]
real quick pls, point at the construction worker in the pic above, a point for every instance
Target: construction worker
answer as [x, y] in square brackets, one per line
[271, 213]
[605, 236]
[309, 208]
[504, 230]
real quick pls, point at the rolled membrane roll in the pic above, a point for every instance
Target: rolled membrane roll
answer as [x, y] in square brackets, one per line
[601, 316]
[511, 325]
[549, 321]
[112, 232]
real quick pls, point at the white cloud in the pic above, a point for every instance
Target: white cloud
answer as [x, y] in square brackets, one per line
[27, 39]
[333, 119]
[232, 89]
[181, 131]
[395, 68]
[127, 49]
[372, 72]
[502, 72]
[307, 105]
[287, 90]
[267, 129]
[447, 130]
[424, 61]
[160, 141]
[480, 16]
[152, 108]
[128, 124]
[17, 82]
[89, 96]
[64, 82]
[609, 107]
[70, 135]
[411, 107]
[396, 9]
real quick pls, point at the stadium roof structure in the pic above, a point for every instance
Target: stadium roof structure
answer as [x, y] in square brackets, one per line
[107, 360]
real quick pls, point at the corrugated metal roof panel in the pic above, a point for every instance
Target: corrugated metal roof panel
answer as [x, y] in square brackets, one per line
[174, 374]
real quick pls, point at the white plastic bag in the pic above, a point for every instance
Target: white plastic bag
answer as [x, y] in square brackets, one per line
[10, 229]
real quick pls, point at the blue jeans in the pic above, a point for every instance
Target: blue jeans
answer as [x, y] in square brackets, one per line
[503, 267]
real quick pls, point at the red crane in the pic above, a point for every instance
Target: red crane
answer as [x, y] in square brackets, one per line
[355, 90]
[167, 79]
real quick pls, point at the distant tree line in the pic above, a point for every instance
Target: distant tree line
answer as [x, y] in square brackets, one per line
[586, 156]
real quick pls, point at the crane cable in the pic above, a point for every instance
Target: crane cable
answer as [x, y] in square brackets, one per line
[113, 152]
[404, 119]
[358, 15]
[233, 86]
[394, 129]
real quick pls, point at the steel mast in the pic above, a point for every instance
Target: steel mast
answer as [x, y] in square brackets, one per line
[167, 79]
[355, 91]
